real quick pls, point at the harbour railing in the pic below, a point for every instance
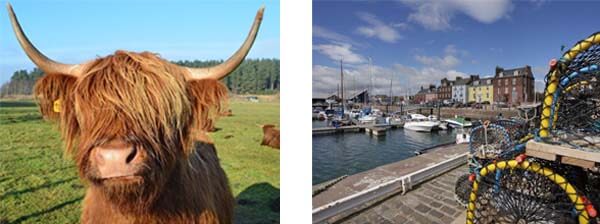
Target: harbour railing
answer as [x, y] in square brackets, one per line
[401, 184]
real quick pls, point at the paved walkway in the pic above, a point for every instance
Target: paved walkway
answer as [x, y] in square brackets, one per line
[365, 180]
[430, 202]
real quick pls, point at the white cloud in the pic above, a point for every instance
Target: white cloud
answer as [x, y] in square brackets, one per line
[326, 79]
[377, 28]
[448, 61]
[437, 15]
[401, 25]
[426, 75]
[357, 76]
[322, 32]
[496, 50]
[539, 71]
[339, 51]
[539, 85]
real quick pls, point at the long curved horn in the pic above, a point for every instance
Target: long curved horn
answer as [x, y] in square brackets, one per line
[44, 63]
[221, 70]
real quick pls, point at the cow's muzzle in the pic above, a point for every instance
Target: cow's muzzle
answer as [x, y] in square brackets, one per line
[117, 160]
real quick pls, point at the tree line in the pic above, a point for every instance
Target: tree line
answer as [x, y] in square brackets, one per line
[253, 76]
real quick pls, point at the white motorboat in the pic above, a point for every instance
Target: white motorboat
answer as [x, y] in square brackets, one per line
[418, 122]
[376, 113]
[443, 125]
[368, 119]
[395, 119]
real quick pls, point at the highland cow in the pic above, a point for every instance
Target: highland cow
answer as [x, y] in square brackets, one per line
[270, 136]
[135, 125]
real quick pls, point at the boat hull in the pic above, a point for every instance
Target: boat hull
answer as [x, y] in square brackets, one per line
[421, 126]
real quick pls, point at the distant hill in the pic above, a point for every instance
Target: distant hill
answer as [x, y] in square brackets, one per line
[254, 76]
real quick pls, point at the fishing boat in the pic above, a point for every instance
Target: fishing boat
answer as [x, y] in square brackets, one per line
[459, 122]
[443, 124]
[418, 122]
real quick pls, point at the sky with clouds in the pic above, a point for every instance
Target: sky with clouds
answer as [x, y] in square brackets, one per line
[76, 31]
[418, 42]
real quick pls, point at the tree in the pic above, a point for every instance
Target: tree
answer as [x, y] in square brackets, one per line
[253, 76]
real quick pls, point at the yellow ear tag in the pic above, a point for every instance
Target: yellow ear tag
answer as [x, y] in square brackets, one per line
[56, 106]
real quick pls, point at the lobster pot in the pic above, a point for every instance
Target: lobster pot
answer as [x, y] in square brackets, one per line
[572, 98]
[578, 112]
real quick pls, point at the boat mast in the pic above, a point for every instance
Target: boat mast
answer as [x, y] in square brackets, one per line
[391, 94]
[342, 84]
[371, 82]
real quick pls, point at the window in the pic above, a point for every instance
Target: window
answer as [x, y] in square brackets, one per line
[514, 81]
[516, 73]
[487, 95]
[506, 82]
[505, 90]
[514, 89]
[489, 82]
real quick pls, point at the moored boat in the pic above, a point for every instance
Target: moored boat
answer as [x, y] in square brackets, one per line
[418, 122]
[458, 122]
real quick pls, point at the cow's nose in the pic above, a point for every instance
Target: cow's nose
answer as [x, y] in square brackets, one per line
[116, 159]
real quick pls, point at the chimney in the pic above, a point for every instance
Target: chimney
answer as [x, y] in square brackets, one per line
[498, 70]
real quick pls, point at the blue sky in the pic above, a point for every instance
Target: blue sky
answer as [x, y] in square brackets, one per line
[419, 42]
[76, 31]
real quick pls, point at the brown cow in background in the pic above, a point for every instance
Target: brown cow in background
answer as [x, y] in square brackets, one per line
[270, 136]
[131, 122]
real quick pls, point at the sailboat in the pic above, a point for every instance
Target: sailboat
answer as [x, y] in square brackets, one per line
[341, 119]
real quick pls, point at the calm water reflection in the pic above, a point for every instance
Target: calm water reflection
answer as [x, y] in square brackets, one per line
[339, 154]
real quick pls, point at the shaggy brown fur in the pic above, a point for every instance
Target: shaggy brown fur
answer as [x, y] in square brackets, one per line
[147, 102]
[270, 136]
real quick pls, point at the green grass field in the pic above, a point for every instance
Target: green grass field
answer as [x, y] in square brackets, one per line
[38, 184]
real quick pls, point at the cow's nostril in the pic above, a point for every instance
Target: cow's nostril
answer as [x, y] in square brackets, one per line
[131, 155]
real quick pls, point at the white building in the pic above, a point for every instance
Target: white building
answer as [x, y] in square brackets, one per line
[460, 88]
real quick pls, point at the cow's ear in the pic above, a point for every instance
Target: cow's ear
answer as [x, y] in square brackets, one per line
[53, 93]
[209, 99]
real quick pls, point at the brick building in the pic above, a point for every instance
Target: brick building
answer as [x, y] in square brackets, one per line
[445, 90]
[513, 86]
[426, 95]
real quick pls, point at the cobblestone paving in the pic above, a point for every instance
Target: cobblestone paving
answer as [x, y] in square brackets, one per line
[430, 202]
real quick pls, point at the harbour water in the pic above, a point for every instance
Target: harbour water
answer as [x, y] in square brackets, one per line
[349, 153]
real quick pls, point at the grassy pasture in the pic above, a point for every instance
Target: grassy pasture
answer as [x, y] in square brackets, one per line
[40, 185]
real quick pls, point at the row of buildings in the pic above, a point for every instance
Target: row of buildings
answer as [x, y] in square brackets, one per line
[507, 86]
